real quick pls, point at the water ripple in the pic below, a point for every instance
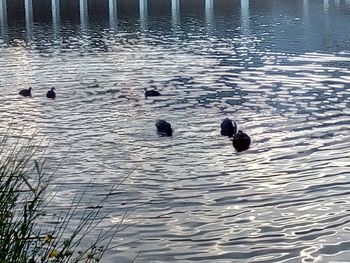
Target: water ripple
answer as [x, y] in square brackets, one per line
[195, 199]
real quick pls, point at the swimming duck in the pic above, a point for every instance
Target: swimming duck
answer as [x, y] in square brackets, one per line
[151, 93]
[26, 92]
[51, 94]
[164, 128]
[228, 127]
[241, 141]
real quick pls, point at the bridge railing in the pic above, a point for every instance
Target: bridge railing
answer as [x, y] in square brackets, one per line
[143, 5]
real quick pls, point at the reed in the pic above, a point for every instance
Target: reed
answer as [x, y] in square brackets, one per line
[24, 206]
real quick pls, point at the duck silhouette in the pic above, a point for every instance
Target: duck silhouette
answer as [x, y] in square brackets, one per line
[26, 92]
[164, 128]
[241, 141]
[228, 127]
[151, 93]
[51, 94]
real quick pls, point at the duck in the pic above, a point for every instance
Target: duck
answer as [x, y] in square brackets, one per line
[151, 93]
[26, 92]
[51, 94]
[241, 141]
[228, 128]
[164, 128]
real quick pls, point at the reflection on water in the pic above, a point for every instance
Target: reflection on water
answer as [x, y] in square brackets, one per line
[279, 68]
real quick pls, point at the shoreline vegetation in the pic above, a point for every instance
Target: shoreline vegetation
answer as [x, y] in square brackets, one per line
[25, 235]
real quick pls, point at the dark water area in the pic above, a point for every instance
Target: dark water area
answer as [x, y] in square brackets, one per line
[279, 68]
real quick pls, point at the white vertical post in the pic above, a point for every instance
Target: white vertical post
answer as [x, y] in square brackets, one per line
[325, 5]
[3, 11]
[113, 12]
[3, 18]
[175, 12]
[28, 10]
[326, 14]
[175, 6]
[209, 9]
[56, 14]
[143, 13]
[306, 7]
[245, 16]
[209, 4]
[306, 16]
[84, 13]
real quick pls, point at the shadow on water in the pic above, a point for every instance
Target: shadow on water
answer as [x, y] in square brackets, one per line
[279, 68]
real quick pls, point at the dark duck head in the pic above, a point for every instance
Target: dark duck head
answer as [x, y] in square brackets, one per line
[228, 127]
[164, 128]
[241, 141]
[26, 92]
[151, 93]
[51, 94]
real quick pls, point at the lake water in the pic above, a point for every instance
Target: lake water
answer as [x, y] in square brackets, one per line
[279, 68]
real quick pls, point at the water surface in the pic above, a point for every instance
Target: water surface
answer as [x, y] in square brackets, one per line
[280, 69]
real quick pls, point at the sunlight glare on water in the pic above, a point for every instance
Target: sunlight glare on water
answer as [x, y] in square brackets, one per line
[280, 69]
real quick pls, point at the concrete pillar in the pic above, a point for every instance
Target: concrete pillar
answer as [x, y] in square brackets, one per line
[175, 5]
[326, 14]
[56, 13]
[3, 11]
[143, 13]
[306, 13]
[209, 14]
[175, 13]
[3, 18]
[28, 11]
[84, 13]
[209, 4]
[245, 16]
[326, 5]
[113, 12]
[306, 7]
